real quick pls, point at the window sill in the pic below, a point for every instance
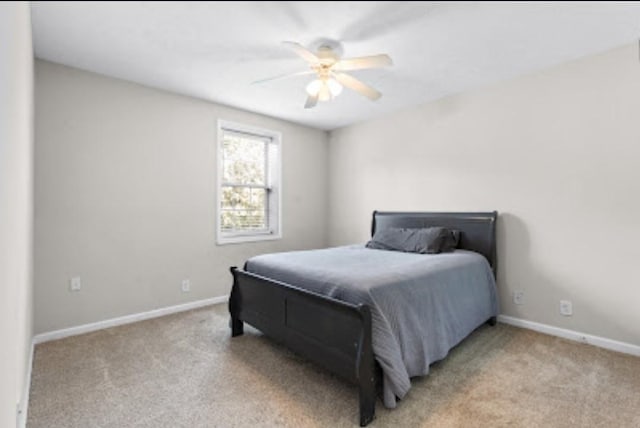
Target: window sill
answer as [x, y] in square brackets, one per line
[239, 239]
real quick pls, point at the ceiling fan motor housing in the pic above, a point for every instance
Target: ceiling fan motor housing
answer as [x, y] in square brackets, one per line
[327, 49]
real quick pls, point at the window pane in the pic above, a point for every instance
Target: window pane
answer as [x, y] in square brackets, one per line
[235, 198]
[244, 160]
[243, 208]
[258, 199]
[243, 220]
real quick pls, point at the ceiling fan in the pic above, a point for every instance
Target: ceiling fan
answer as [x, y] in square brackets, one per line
[329, 69]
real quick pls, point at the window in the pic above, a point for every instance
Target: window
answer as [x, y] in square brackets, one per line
[248, 184]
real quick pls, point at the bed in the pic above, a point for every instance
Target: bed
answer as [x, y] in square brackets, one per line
[374, 317]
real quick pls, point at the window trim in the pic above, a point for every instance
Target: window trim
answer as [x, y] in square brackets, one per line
[275, 185]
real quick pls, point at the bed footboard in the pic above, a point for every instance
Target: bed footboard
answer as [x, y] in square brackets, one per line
[334, 334]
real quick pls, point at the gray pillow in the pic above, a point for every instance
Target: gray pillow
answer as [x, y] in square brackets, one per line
[452, 241]
[429, 240]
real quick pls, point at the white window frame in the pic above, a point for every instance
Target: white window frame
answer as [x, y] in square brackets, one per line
[274, 196]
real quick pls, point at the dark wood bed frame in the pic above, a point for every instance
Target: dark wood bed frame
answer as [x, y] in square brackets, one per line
[336, 334]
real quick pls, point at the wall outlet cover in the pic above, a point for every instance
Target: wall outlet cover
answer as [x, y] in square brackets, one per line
[75, 284]
[566, 308]
[518, 297]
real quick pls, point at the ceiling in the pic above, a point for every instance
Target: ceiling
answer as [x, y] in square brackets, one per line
[215, 50]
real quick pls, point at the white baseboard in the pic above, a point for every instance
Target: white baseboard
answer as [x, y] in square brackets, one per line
[127, 319]
[23, 406]
[601, 342]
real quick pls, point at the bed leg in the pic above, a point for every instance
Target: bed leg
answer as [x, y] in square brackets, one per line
[237, 327]
[236, 324]
[367, 400]
[366, 368]
[492, 321]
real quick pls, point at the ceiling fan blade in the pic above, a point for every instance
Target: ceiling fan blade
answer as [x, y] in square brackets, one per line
[284, 76]
[353, 83]
[373, 61]
[312, 100]
[303, 52]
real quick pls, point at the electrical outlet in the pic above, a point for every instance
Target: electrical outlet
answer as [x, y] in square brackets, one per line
[518, 297]
[566, 308]
[75, 284]
[186, 285]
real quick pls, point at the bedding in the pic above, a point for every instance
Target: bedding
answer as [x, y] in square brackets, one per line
[422, 305]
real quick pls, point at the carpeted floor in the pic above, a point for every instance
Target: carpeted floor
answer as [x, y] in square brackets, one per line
[185, 371]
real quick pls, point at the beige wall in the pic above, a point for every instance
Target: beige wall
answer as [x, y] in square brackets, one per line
[557, 153]
[16, 203]
[125, 197]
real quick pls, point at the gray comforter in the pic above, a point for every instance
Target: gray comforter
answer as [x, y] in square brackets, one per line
[422, 305]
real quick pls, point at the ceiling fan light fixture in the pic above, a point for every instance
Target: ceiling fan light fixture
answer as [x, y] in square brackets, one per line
[325, 93]
[324, 89]
[314, 87]
[334, 87]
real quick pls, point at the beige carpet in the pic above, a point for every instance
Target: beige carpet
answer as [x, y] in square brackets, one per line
[185, 371]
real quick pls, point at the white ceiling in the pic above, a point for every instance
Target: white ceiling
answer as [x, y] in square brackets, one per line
[215, 50]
